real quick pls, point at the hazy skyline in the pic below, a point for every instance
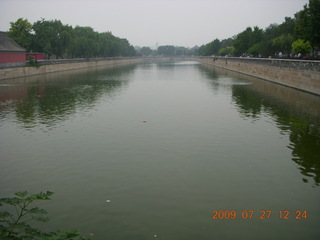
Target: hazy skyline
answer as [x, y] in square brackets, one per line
[148, 22]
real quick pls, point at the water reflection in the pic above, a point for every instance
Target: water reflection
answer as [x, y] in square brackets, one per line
[220, 80]
[304, 134]
[204, 147]
[296, 113]
[48, 99]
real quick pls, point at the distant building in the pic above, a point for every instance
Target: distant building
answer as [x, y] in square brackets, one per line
[35, 55]
[11, 54]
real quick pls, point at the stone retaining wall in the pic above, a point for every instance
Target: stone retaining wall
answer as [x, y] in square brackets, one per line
[302, 75]
[7, 73]
[299, 74]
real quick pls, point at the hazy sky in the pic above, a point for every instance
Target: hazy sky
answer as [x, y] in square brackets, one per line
[147, 22]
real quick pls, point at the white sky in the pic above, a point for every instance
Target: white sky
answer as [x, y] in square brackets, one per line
[147, 22]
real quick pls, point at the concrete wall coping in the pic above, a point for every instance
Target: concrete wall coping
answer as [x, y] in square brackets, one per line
[264, 59]
[310, 65]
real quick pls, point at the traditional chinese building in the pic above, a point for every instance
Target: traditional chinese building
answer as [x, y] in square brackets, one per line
[35, 55]
[11, 54]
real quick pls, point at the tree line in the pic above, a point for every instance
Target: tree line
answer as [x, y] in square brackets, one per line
[167, 51]
[295, 37]
[58, 40]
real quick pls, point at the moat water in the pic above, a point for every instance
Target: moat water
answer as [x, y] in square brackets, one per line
[170, 150]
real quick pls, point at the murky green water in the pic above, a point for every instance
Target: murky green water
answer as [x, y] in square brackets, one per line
[166, 144]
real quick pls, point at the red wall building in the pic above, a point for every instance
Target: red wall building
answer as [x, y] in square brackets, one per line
[12, 57]
[36, 56]
[11, 54]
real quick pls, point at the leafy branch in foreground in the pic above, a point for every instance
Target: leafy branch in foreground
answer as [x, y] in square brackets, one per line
[15, 225]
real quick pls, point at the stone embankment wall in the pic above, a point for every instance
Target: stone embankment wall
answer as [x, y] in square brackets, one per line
[299, 74]
[7, 73]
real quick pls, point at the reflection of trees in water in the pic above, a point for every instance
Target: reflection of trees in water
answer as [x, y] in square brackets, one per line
[212, 75]
[305, 145]
[303, 126]
[54, 100]
[249, 105]
[304, 133]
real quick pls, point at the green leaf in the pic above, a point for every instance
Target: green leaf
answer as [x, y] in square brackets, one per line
[21, 194]
[4, 215]
[49, 193]
[19, 228]
[40, 218]
[11, 201]
[40, 196]
[37, 210]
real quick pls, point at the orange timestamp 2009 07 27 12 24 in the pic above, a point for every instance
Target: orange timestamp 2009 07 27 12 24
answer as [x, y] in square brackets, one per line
[263, 214]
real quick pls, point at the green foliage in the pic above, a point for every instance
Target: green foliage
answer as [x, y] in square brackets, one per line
[275, 38]
[32, 62]
[283, 42]
[51, 37]
[167, 50]
[20, 32]
[146, 51]
[14, 224]
[170, 50]
[181, 51]
[254, 50]
[301, 46]
[229, 50]
[244, 40]
[85, 42]
[59, 40]
[308, 24]
[210, 48]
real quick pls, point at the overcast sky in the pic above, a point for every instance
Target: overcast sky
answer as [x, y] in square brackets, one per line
[148, 22]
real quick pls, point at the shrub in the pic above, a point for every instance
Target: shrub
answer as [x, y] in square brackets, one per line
[14, 225]
[301, 46]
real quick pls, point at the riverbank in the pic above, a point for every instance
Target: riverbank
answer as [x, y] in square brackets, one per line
[7, 73]
[299, 74]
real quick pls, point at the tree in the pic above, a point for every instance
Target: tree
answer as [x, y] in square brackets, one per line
[51, 37]
[194, 50]
[126, 49]
[146, 51]
[246, 39]
[229, 50]
[300, 46]
[213, 47]
[287, 27]
[210, 48]
[85, 42]
[283, 43]
[104, 44]
[20, 32]
[308, 24]
[167, 50]
[111, 46]
[254, 50]
[181, 51]
[15, 225]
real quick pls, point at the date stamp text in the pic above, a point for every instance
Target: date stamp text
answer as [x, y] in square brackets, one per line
[263, 214]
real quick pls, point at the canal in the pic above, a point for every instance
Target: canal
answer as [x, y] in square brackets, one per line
[170, 150]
